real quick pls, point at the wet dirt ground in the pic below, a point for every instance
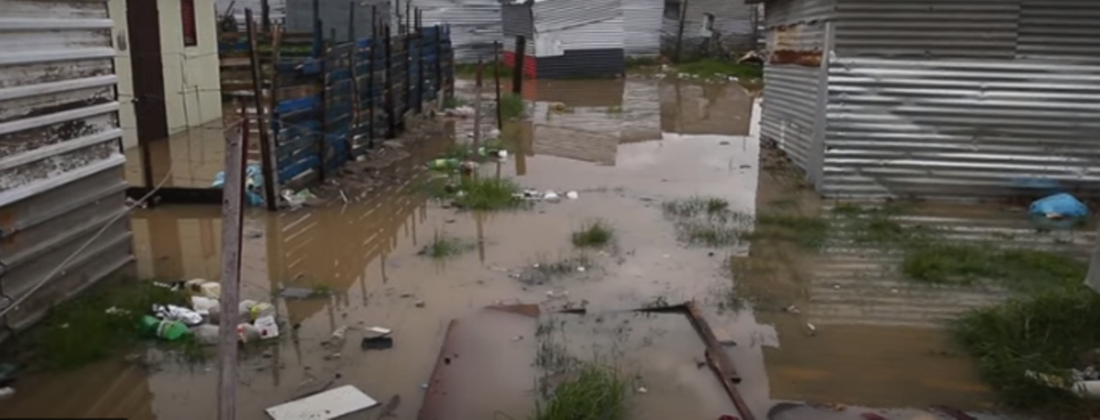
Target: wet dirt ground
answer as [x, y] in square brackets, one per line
[663, 141]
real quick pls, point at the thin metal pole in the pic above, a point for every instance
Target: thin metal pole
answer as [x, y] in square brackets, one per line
[232, 221]
[477, 109]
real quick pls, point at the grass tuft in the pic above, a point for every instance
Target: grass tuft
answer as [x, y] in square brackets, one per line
[82, 330]
[967, 264]
[696, 206]
[443, 246]
[477, 193]
[711, 234]
[1047, 333]
[593, 234]
[592, 393]
[453, 102]
[544, 269]
[512, 107]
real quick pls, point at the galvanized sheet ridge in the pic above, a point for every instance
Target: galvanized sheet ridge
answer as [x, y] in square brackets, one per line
[1064, 30]
[642, 30]
[59, 159]
[560, 15]
[922, 28]
[733, 19]
[958, 128]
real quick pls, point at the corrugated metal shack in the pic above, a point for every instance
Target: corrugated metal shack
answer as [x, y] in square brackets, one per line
[474, 25]
[60, 167]
[568, 38]
[935, 99]
[642, 27]
[335, 17]
[731, 20]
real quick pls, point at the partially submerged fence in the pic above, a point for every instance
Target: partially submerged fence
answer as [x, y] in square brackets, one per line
[330, 107]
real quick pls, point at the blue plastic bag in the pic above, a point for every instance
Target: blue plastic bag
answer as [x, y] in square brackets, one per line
[1063, 204]
[253, 181]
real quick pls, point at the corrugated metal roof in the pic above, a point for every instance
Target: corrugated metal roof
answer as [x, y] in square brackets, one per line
[559, 15]
[1063, 30]
[938, 28]
[566, 25]
[60, 166]
[643, 19]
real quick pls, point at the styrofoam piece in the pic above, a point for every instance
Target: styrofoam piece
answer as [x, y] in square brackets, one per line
[379, 330]
[327, 405]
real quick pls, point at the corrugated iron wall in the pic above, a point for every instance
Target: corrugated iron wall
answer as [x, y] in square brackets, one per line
[642, 28]
[940, 99]
[474, 25]
[60, 166]
[942, 110]
[335, 16]
[793, 90]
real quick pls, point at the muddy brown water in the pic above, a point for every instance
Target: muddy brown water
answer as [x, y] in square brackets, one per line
[664, 140]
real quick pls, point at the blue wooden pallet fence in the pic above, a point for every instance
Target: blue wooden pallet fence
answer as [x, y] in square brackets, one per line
[339, 112]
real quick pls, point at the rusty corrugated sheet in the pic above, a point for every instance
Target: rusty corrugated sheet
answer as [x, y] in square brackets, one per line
[60, 166]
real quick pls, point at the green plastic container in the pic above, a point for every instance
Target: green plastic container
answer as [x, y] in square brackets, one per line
[164, 329]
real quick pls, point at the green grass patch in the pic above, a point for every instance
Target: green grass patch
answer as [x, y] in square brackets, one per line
[696, 206]
[477, 193]
[710, 68]
[512, 106]
[593, 234]
[101, 322]
[591, 393]
[1047, 333]
[710, 234]
[808, 232]
[967, 264]
[443, 246]
[545, 269]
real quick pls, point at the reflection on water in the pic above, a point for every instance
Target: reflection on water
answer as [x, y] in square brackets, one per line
[625, 146]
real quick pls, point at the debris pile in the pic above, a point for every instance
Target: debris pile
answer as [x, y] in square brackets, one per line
[174, 323]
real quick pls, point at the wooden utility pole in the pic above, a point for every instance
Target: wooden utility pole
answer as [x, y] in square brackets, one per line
[680, 31]
[232, 222]
[267, 158]
[496, 78]
[517, 68]
[477, 108]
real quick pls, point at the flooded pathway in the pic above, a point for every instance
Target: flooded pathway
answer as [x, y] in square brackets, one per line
[625, 147]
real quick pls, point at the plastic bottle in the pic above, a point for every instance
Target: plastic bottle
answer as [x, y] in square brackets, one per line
[248, 333]
[166, 329]
[261, 310]
[206, 334]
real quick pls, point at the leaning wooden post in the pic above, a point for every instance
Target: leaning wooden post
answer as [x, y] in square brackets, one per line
[680, 30]
[517, 71]
[496, 79]
[477, 108]
[258, 100]
[232, 221]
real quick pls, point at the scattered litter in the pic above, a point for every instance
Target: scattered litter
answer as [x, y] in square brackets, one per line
[1059, 206]
[248, 333]
[203, 305]
[6, 392]
[177, 313]
[420, 304]
[581, 269]
[325, 405]
[204, 288]
[166, 329]
[550, 195]
[462, 112]
[253, 181]
[332, 356]
[812, 328]
[517, 338]
[393, 144]
[206, 334]
[376, 343]
[114, 310]
[572, 195]
[337, 338]
[424, 385]
[642, 390]
[554, 295]
[296, 200]
[792, 309]
[379, 330]
[444, 164]
[268, 327]
[836, 286]
[295, 292]
[723, 143]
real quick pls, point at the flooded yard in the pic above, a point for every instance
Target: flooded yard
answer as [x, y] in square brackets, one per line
[835, 324]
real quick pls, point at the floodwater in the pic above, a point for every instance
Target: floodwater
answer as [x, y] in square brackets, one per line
[625, 146]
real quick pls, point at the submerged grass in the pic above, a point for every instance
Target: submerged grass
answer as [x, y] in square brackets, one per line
[592, 393]
[594, 234]
[443, 246]
[512, 106]
[1046, 334]
[709, 67]
[545, 269]
[99, 323]
[477, 193]
[1020, 269]
[453, 102]
[695, 206]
